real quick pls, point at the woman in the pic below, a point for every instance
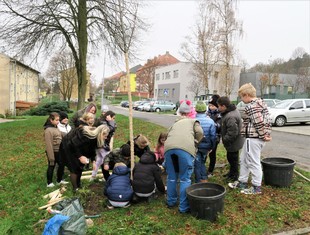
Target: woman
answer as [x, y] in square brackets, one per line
[180, 151]
[75, 120]
[79, 145]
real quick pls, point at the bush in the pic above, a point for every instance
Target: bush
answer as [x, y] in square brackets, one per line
[47, 108]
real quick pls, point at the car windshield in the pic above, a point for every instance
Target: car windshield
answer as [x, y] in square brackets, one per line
[282, 105]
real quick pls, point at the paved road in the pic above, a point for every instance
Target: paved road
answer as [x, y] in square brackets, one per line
[291, 141]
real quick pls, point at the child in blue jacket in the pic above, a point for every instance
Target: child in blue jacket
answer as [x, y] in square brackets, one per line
[118, 187]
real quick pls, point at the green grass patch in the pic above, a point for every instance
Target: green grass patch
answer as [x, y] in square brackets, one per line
[23, 184]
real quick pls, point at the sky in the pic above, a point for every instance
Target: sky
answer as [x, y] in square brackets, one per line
[272, 29]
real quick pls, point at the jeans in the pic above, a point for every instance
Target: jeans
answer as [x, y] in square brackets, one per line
[179, 165]
[200, 166]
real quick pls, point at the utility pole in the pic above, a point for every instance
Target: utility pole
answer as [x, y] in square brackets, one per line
[103, 106]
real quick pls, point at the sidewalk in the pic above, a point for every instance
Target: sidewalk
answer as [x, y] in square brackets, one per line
[295, 129]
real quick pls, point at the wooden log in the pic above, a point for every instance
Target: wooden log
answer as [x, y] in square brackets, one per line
[90, 172]
[51, 203]
[49, 195]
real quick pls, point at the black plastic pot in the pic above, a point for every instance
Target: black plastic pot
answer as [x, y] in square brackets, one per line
[206, 200]
[278, 172]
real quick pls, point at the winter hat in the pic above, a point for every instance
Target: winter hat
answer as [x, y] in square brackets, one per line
[201, 107]
[104, 108]
[62, 115]
[125, 150]
[185, 106]
[141, 141]
[213, 100]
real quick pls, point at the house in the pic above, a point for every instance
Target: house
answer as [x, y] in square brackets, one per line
[19, 85]
[146, 74]
[177, 81]
[69, 81]
[274, 85]
[132, 76]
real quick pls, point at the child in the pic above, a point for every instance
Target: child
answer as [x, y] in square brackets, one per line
[256, 129]
[63, 125]
[106, 119]
[52, 138]
[118, 188]
[215, 115]
[118, 155]
[159, 149]
[207, 143]
[141, 145]
[147, 175]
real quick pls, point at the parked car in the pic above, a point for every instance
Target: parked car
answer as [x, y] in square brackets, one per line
[268, 102]
[142, 105]
[161, 105]
[124, 103]
[292, 110]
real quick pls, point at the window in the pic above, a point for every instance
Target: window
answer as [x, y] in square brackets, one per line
[173, 92]
[163, 76]
[157, 76]
[307, 103]
[297, 105]
[168, 75]
[175, 73]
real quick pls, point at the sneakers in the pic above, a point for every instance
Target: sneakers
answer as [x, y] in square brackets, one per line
[237, 184]
[63, 182]
[51, 185]
[210, 175]
[252, 190]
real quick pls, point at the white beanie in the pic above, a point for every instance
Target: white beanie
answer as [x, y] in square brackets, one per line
[185, 106]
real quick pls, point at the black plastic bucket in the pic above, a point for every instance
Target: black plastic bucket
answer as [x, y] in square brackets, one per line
[206, 200]
[278, 171]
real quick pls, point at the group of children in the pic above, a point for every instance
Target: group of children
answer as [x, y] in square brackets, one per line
[147, 172]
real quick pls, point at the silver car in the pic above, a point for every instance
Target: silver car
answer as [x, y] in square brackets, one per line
[293, 110]
[268, 102]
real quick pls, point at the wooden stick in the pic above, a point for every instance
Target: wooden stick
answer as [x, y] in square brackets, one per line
[298, 173]
[89, 176]
[49, 195]
[89, 172]
[51, 203]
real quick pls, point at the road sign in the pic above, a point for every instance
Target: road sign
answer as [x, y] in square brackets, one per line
[165, 91]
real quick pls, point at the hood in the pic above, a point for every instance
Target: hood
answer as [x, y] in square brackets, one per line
[148, 158]
[121, 170]
[230, 108]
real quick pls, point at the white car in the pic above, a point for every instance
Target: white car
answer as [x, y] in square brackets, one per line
[268, 102]
[292, 110]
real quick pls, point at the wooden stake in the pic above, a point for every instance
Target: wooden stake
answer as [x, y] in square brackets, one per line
[51, 203]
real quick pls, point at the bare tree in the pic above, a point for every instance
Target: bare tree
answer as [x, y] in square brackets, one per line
[200, 46]
[61, 70]
[43, 26]
[228, 30]
[304, 76]
[126, 31]
[196, 86]
[298, 53]
[145, 76]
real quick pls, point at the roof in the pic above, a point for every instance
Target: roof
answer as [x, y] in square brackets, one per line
[116, 76]
[160, 60]
[135, 68]
[13, 60]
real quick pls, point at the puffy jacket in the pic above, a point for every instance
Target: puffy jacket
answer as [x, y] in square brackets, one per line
[146, 174]
[118, 187]
[209, 131]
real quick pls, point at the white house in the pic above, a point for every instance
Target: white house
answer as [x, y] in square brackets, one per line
[172, 82]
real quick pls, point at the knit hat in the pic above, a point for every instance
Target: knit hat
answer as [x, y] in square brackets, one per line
[185, 106]
[104, 108]
[201, 107]
[213, 100]
[62, 115]
[141, 141]
[125, 150]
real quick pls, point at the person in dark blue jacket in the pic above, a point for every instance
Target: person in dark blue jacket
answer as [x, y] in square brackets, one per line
[118, 187]
[207, 143]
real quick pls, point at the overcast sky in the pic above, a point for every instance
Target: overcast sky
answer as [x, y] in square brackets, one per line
[272, 29]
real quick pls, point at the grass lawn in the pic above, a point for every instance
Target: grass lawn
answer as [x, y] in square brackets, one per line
[23, 184]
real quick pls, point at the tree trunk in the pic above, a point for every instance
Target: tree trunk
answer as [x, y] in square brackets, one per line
[83, 43]
[132, 155]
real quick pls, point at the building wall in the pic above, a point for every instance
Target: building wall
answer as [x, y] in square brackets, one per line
[176, 86]
[18, 83]
[123, 83]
